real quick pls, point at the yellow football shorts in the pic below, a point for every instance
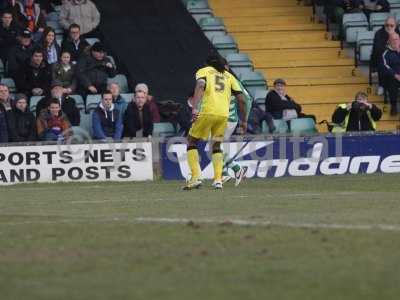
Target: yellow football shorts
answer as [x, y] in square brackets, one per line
[209, 126]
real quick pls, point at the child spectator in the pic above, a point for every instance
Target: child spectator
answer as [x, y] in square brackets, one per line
[21, 122]
[65, 73]
[52, 125]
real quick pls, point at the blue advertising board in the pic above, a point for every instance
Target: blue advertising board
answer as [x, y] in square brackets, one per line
[294, 156]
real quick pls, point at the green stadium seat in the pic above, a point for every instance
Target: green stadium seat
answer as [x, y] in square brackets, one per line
[10, 83]
[376, 20]
[212, 24]
[199, 9]
[394, 4]
[164, 129]
[56, 26]
[33, 102]
[253, 81]
[281, 127]
[239, 62]
[364, 44]
[80, 135]
[211, 34]
[353, 23]
[122, 81]
[302, 126]
[260, 95]
[92, 101]
[79, 101]
[127, 96]
[225, 44]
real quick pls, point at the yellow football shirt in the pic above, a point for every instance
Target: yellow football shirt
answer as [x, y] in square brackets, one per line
[218, 91]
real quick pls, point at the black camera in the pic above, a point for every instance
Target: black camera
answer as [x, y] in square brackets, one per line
[357, 106]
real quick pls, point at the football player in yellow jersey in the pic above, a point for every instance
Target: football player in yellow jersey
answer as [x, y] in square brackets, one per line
[211, 100]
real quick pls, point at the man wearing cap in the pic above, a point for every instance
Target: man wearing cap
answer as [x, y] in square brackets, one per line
[93, 70]
[21, 122]
[20, 53]
[282, 106]
[34, 77]
[8, 34]
[68, 104]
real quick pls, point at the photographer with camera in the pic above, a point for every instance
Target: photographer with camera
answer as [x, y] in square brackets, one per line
[359, 115]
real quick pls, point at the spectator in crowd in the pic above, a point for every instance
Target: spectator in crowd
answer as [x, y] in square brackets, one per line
[34, 78]
[74, 43]
[379, 46]
[8, 35]
[81, 12]
[138, 117]
[50, 46]
[5, 98]
[21, 122]
[282, 106]
[65, 72]
[256, 117]
[391, 67]
[93, 70]
[106, 123]
[342, 7]
[372, 6]
[142, 87]
[68, 104]
[184, 116]
[359, 115]
[3, 125]
[52, 124]
[20, 53]
[28, 15]
[119, 102]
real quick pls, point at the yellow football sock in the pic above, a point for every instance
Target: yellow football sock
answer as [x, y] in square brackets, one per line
[218, 164]
[194, 165]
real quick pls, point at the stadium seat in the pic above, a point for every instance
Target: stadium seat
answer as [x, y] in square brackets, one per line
[33, 102]
[92, 101]
[212, 24]
[91, 41]
[225, 44]
[352, 23]
[281, 126]
[376, 20]
[86, 125]
[56, 26]
[127, 96]
[10, 83]
[112, 59]
[253, 81]
[122, 81]
[2, 70]
[394, 4]
[302, 126]
[164, 129]
[260, 96]
[80, 135]
[199, 9]
[53, 17]
[211, 34]
[239, 62]
[363, 48]
[79, 102]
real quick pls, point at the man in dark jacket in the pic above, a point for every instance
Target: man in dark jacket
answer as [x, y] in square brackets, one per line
[380, 43]
[94, 70]
[34, 78]
[21, 122]
[8, 35]
[20, 53]
[374, 6]
[360, 115]
[3, 125]
[391, 67]
[75, 44]
[138, 117]
[106, 123]
[68, 104]
[281, 106]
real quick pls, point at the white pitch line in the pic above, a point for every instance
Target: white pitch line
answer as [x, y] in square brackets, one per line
[384, 227]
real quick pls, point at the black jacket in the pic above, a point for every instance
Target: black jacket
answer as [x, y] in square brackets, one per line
[379, 46]
[30, 77]
[17, 57]
[358, 119]
[132, 122]
[68, 107]
[21, 126]
[8, 37]
[94, 72]
[3, 125]
[76, 53]
[184, 119]
[275, 105]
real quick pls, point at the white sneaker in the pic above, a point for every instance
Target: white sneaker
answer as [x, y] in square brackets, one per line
[239, 175]
[380, 91]
[192, 184]
[226, 178]
[217, 185]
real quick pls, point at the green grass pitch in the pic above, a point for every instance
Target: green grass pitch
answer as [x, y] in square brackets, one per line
[288, 238]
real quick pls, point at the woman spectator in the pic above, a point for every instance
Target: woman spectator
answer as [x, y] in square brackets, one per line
[49, 44]
[64, 72]
[52, 124]
[21, 122]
